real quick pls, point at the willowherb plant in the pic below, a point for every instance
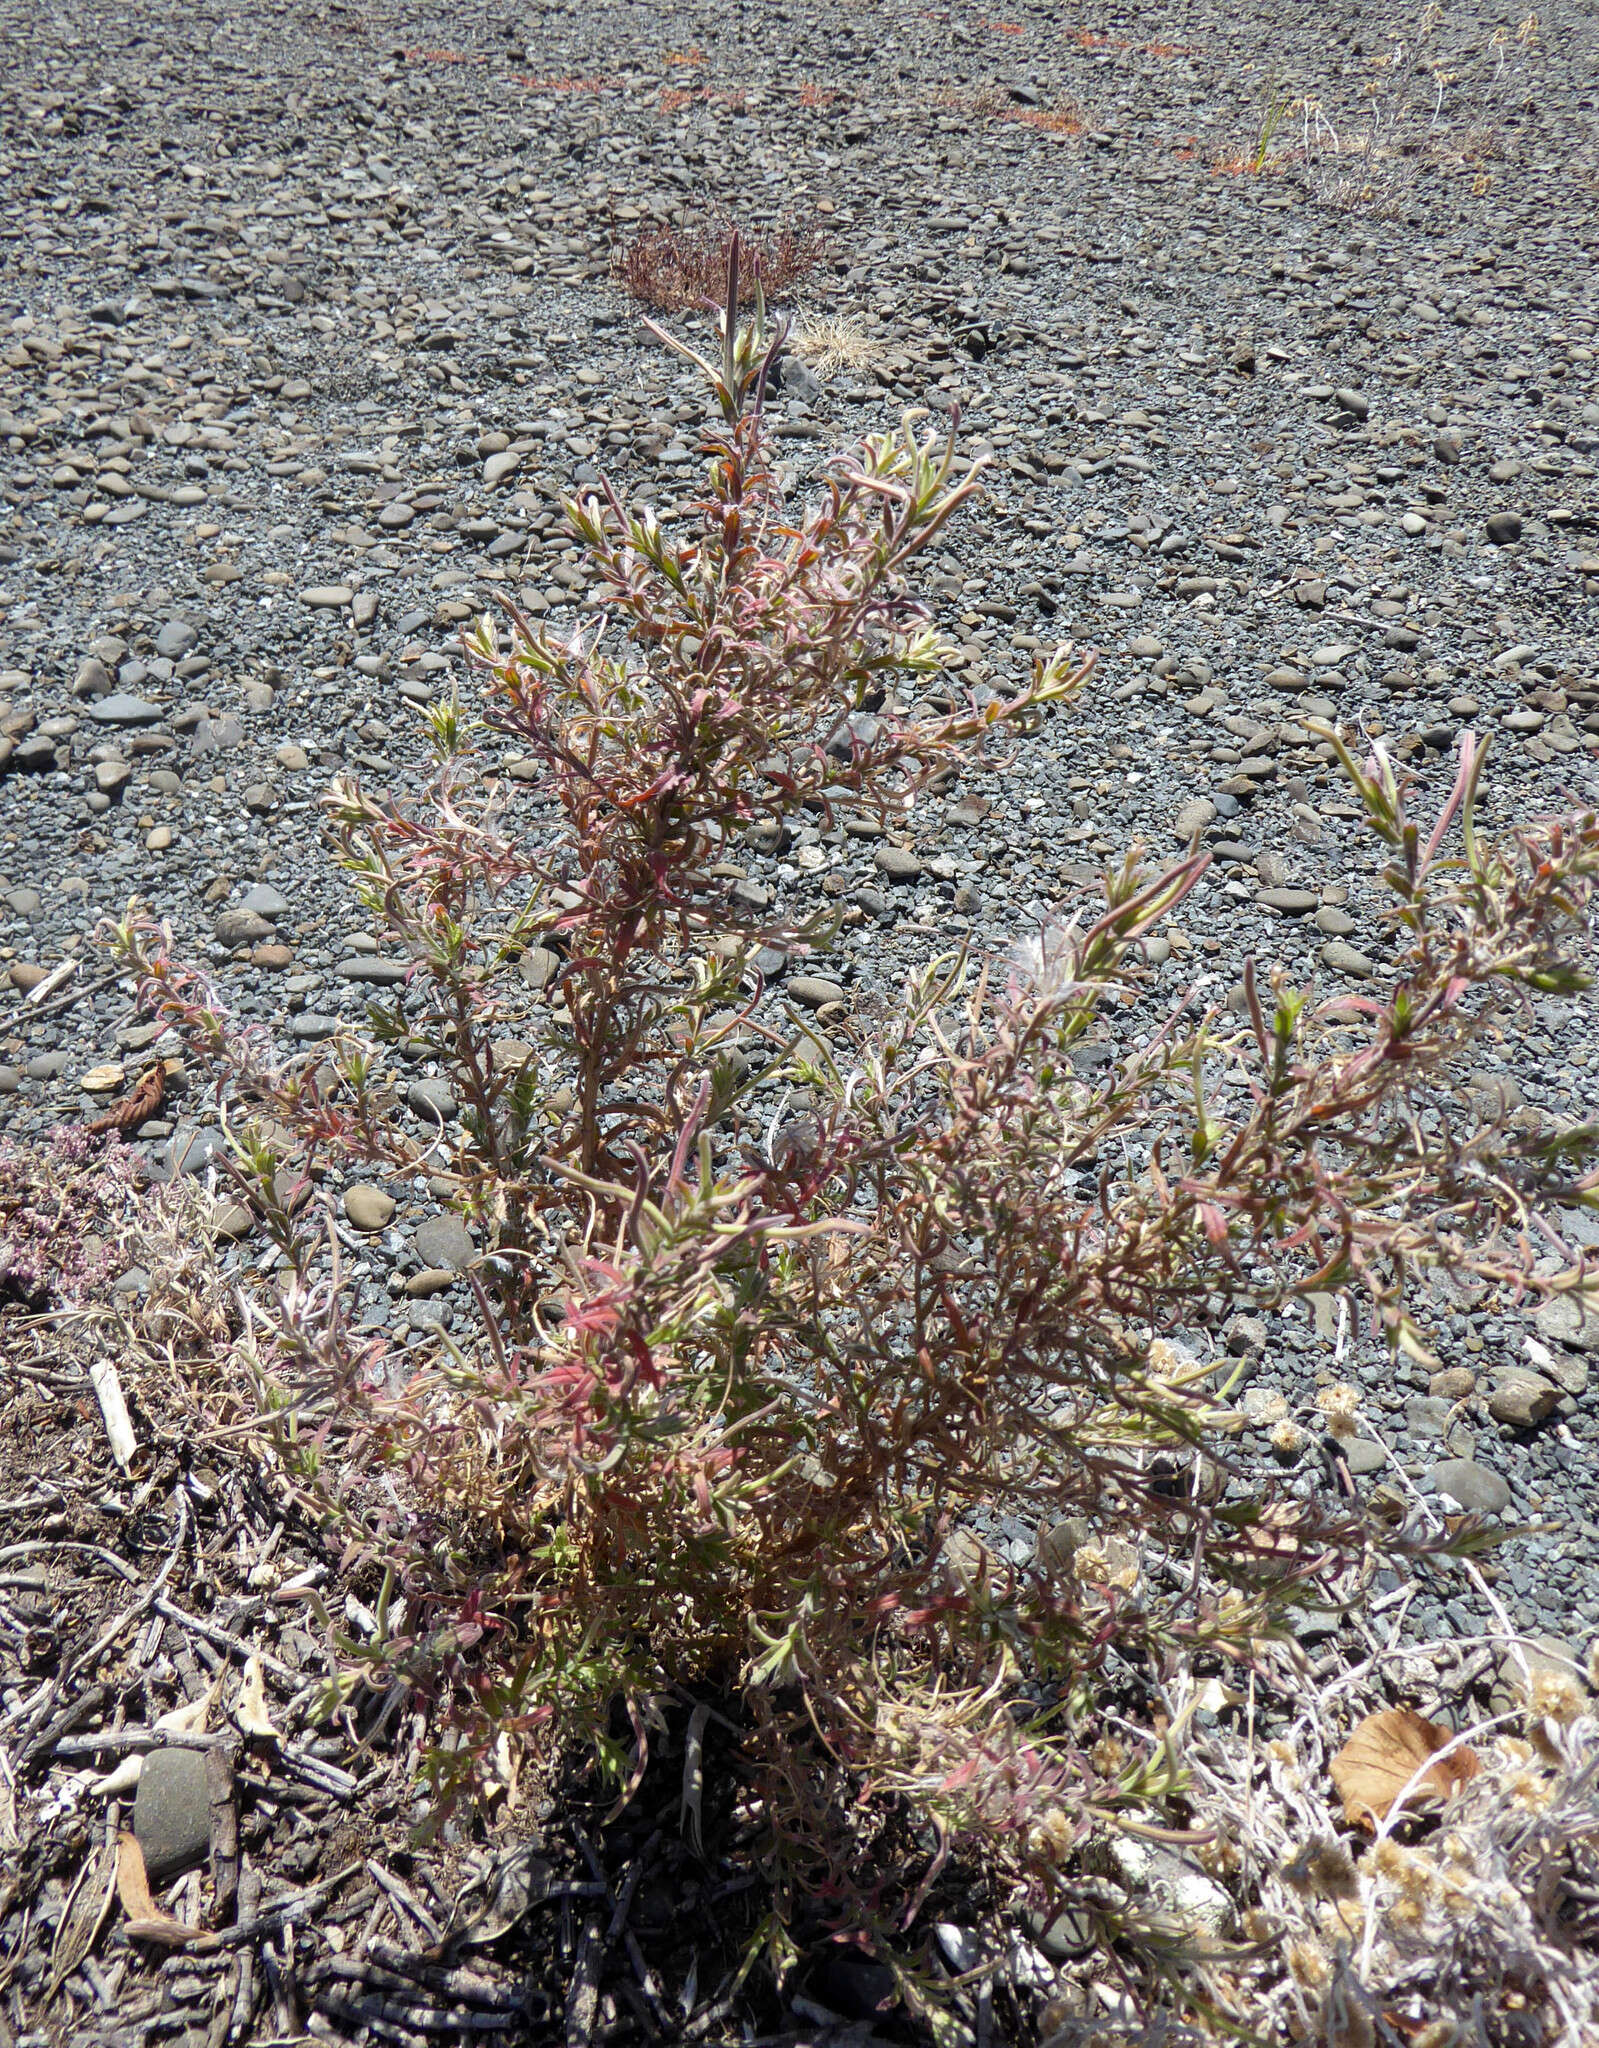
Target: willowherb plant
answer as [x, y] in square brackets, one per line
[753, 1410]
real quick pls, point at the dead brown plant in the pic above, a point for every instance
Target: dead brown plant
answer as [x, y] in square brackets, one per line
[668, 268]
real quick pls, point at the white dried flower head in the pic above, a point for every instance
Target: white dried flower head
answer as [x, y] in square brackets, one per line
[1556, 1695]
[1528, 1790]
[1309, 1964]
[1052, 1837]
[1109, 1756]
[1168, 1360]
[1288, 1438]
[1339, 1405]
[1044, 963]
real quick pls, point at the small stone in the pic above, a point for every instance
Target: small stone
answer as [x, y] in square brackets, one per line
[1363, 1458]
[101, 1080]
[1354, 403]
[814, 991]
[158, 839]
[431, 1100]
[265, 901]
[232, 1220]
[1503, 528]
[898, 863]
[367, 1207]
[444, 1242]
[430, 1281]
[1520, 1398]
[1497, 1094]
[1346, 959]
[1192, 817]
[1478, 1490]
[498, 467]
[175, 638]
[93, 680]
[273, 958]
[327, 597]
[1454, 1383]
[1291, 902]
[1427, 1415]
[1565, 1319]
[312, 1026]
[379, 973]
[1569, 1373]
[241, 927]
[1336, 923]
[258, 799]
[123, 709]
[539, 966]
[292, 759]
[172, 1812]
[192, 1151]
[1447, 446]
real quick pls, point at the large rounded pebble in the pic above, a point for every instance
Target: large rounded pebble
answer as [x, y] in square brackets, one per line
[814, 991]
[367, 968]
[1192, 817]
[241, 927]
[431, 1100]
[125, 709]
[898, 863]
[444, 1242]
[1521, 1398]
[1479, 1491]
[367, 1207]
[1343, 958]
[172, 1812]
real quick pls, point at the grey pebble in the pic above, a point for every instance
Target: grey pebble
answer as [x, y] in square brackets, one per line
[380, 973]
[123, 709]
[443, 1243]
[172, 1812]
[898, 863]
[431, 1100]
[1478, 1490]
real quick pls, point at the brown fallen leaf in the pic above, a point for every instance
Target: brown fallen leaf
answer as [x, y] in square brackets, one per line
[250, 1708]
[1384, 1754]
[146, 1921]
[144, 1100]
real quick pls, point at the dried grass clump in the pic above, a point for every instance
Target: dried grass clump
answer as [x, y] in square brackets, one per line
[833, 341]
[670, 268]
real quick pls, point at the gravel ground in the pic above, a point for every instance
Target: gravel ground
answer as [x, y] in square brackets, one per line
[308, 319]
